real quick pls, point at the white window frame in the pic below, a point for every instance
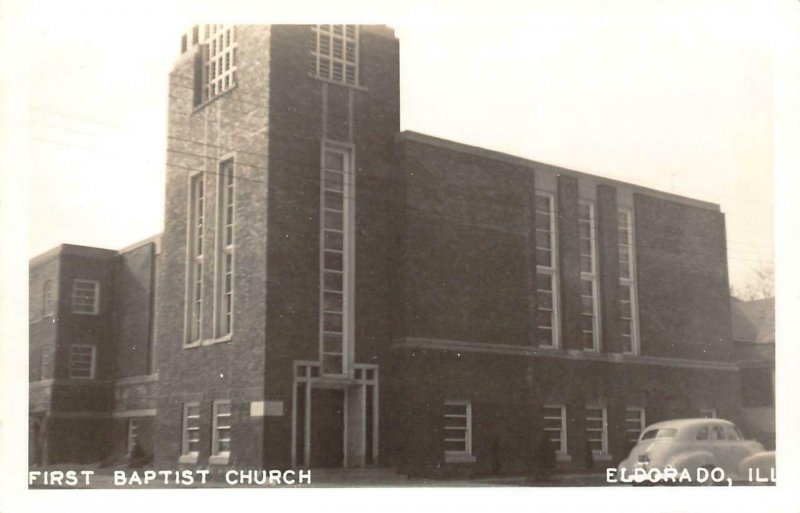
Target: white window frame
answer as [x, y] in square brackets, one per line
[629, 283]
[219, 456]
[466, 454]
[640, 421]
[326, 38]
[95, 307]
[562, 452]
[188, 456]
[347, 251]
[550, 271]
[603, 431]
[591, 276]
[48, 306]
[219, 60]
[225, 249]
[196, 230]
[133, 433]
[92, 364]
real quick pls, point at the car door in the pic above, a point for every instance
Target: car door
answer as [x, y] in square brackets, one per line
[724, 449]
[738, 447]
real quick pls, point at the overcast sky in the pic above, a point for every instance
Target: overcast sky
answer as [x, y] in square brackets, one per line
[665, 94]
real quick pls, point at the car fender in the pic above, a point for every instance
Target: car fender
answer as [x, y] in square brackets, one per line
[692, 460]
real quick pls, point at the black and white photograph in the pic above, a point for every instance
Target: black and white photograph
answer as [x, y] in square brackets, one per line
[525, 250]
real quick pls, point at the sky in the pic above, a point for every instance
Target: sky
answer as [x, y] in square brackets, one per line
[673, 95]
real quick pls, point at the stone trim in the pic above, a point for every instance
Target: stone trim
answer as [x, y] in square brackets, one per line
[482, 347]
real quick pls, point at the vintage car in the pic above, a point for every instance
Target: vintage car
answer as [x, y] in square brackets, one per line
[687, 445]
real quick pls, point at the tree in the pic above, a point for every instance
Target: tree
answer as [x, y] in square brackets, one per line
[760, 285]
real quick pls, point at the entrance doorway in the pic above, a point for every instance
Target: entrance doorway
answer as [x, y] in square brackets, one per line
[334, 420]
[327, 428]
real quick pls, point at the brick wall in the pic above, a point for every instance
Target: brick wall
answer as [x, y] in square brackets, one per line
[134, 296]
[684, 298]
[236, 123]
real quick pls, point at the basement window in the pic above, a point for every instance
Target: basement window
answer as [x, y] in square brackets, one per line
[458, 432]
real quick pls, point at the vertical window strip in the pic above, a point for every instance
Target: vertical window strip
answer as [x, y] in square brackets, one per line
[597, 430]
[336, 53]
[590, 318]
[555, 422]
[546, 272]
[225, 251]
[627, 281]
[333, 280]
[196, 242]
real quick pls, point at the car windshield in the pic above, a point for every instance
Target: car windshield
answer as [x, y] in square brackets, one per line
[659, 433]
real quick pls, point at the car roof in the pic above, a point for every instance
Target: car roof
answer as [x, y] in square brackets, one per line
[688, 423]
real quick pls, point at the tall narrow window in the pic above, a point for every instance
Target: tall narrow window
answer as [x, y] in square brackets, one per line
[555, 426]
[336, 179]
[457, 428]
[85, 297]
[81, 361]
[190, 445]
[220, 61]
[546, 272]
[225, 205]
[195, 271]
[336, 53]
[588, 247]
[221, 429]
[627, 284]
[597, 430]
[47, 299]
[634, 423]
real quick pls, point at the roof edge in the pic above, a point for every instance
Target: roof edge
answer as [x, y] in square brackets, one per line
[410, 135]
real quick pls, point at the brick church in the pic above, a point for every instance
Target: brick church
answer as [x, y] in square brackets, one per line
[329, 291]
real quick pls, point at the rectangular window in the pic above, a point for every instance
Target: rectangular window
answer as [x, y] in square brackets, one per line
[221, 429]
[335, 276]
[48, 308]
[219, 70]
[546, 272]
[555, 426]
[191, 429]
[86, 297]
[457, 428]
[81, 361]
[133, 434]
[590, 318]
[634, 423]
[195, 265]
[335, 53]
[627, 282]
[597, 430]
[225, 206]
